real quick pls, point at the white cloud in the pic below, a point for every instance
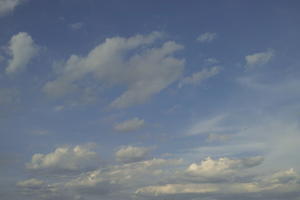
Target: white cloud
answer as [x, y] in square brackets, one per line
[132, 154]
[199, 77]
[208, 190]
[7, 6]
[221, 168]
[130, 125]
[211, 61]
[64, 158]
[76, 26]
[122, 61]
[169, 179]
[212, 125]
[130, 175]
[206, 37]
[171, 189]
[265, 187]
[22, 49]
[259, 59]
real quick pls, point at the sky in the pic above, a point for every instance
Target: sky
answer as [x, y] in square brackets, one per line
[149, 100]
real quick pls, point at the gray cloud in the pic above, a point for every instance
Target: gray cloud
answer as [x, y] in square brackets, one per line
[132, 154]
[7, 6]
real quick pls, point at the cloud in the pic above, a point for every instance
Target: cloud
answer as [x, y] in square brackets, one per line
[213, 125]
[222, 178]
[65, 159]
[120, 177]
[259, 59]
[220, 169]
[7, 6]
[22, 49]
[31, 183]
[199, 77]
[59, 108]
[211, 61]
[206, 37]
[38, 189]
[217, 137]
[222, 191]
[130, 125]
[76, 26]
[259, 188]
[144, 70]
[170, 189]
[284, 177]
[130, 154]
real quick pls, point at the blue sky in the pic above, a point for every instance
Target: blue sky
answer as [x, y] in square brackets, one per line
[149, 100]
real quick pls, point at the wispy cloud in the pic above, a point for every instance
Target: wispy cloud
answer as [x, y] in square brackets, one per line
[258, 59]
[198, 77]
[129, 125]
[206, 37]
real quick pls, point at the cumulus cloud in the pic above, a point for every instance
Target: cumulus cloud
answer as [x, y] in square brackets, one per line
[132, 154]
[206, 37]
[150, 179]
[258, 59]
[7, 6]
[22, 49]
[130, 125]
[221, 168]
[135, 62]
[64, 159]
[199, 77]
